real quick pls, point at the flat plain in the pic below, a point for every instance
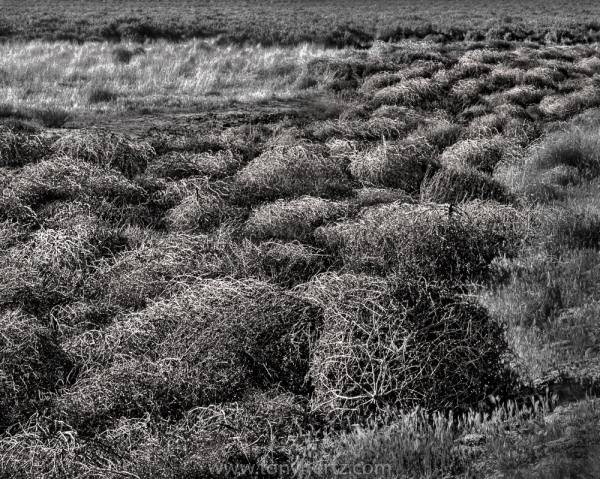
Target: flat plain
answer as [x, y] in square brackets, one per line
[228, 251]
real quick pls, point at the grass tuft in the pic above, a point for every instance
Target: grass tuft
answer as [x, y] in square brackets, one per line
[400, 164]
[457, 185]
[425, 240]
[107, 149]
[284, 172]
[482, 154]
[19, 149]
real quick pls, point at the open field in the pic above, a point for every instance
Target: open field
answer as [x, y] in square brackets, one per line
[290, 259]
[97, 78]
[331, 23]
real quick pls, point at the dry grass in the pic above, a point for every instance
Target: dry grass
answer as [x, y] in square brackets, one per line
[32, 363]
[293, 219]
[412, 93]
[457, 185]
[424, 239]
[107, 149]
[522, 95]
[89, 78]
[211, 342]
[561, 107]
[286, 263]
[543, 77]
[482, 154]
[177, 166]
[65, 179]
[375, 196]
[369, 130]
[466, 92]
[159, 262]
[441, 133]
[284, 172]
[18, 149]
[202, 208]
[48, 271]
[575, 146]
[401, 164]
[185, 298]
[418, 69]
[428, 338]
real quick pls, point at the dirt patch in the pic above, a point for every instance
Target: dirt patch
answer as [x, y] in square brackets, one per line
[230, 115]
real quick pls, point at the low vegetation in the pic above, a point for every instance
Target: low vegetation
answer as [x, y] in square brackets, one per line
[285, 22]
[400, 274]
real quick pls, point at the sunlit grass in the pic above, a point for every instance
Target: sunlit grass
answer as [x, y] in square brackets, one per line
[195, 74]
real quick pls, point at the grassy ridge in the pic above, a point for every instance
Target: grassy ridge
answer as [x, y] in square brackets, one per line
[289, 22]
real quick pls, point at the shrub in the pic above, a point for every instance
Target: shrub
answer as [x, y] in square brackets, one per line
[293, 219]
[573, 146]
[562, 107]
[441, 133]
[450, 185]
[48, 271]
[63, 178]
[32, 365]
[466, 92]
[424, 240]
[285, 172]
[400, 343]
[107, 149]
[523, 95]
[122, 55]
[53, 117]
[418, 92]
[19, 149]
[542, 77]
[483, 153]
[99, 94]
[201, 208]
[211, 342]
[177, 166]
[395, 164]
[284, 263]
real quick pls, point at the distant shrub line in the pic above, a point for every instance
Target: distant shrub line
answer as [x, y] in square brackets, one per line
[336, 34]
